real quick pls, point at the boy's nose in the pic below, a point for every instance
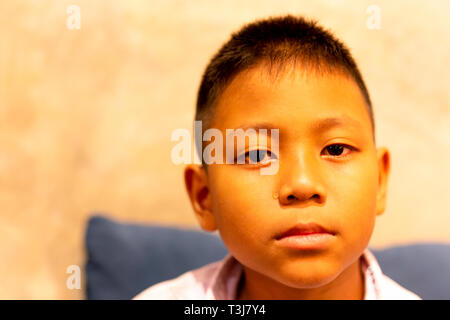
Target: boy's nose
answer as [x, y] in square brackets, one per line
[301, 183]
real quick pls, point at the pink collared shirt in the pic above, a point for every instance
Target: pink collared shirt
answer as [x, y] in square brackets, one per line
[219, 281]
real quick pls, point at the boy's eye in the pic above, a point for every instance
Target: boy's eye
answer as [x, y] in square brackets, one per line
[258, 156]
[336, 150]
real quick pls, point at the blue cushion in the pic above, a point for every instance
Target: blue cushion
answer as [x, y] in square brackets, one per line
[123, 259]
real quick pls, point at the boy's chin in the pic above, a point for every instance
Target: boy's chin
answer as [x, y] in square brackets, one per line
[308, 280]
[308, 276]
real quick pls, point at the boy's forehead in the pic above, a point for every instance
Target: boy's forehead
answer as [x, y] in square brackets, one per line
[292, 99]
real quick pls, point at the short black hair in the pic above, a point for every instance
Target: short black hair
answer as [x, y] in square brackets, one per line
[277, 41]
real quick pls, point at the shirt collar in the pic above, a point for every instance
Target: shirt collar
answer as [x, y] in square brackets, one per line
[372, 276]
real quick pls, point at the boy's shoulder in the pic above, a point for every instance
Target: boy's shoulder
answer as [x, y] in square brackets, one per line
[394, 291]
[213, 281]
[379, 286]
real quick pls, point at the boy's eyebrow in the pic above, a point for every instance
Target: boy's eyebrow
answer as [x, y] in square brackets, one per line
[317, 126]
[258, 126]
[328, 123]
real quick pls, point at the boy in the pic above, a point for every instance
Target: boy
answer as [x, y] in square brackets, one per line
[302, 232]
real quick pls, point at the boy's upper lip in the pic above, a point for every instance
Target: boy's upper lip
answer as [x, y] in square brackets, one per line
[303, 229]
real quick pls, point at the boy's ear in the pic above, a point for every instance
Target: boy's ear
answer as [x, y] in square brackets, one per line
[384, 167]
[196, 182]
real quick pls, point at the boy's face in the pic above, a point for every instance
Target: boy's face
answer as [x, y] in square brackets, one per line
[341, 190]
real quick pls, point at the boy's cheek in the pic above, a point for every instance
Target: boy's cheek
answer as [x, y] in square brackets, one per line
[242, 210]
[230, 183]
[357, 227]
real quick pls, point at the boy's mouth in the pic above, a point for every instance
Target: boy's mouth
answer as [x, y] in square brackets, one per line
[304, 229]
[309, 236]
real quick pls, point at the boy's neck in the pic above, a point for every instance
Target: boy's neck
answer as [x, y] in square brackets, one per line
[349, 285]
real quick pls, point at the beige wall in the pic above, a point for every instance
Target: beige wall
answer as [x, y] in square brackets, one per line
[86, 117]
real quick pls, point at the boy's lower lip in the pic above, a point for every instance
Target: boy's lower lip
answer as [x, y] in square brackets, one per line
[312, 241]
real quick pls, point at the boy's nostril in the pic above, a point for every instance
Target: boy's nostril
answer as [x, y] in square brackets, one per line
[292, 197]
